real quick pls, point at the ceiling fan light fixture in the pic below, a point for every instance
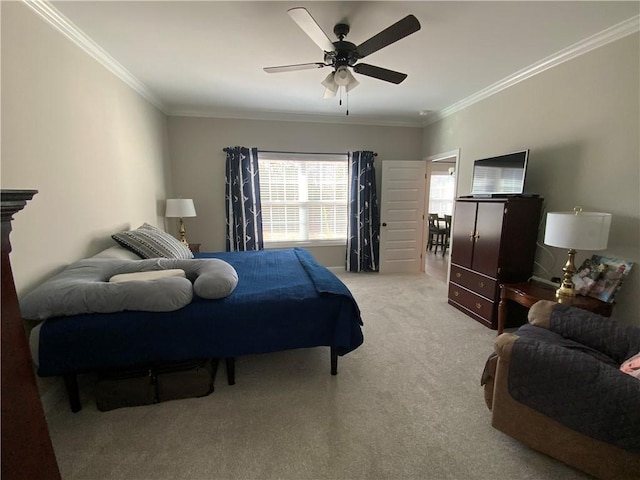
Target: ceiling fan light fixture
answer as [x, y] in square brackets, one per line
[328, 93]
[329, 82]
[342, 76]
[330, 86]
[353, 83]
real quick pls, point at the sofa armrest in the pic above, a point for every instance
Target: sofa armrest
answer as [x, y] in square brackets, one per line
[615, 340]
[503, 345]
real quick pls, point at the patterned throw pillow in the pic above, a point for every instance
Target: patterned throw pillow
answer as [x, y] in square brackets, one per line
[632, 366]
[148, 241]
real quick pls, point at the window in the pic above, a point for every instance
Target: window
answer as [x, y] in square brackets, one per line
[304, 197]
[441, 193]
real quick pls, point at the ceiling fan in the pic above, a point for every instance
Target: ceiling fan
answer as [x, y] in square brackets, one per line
[343, 54]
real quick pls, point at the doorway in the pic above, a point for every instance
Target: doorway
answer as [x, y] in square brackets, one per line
[441, 189]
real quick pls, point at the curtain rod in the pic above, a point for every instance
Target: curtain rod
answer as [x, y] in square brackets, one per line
[226, 149]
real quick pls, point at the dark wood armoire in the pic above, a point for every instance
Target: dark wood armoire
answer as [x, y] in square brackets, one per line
[494, 242]
[27, 451]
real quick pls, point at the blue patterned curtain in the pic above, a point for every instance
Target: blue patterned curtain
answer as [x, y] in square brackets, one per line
[242, 198]
[363, 235]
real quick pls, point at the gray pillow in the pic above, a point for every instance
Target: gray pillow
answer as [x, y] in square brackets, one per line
[148, 241]
[216, 279]
[84, 287]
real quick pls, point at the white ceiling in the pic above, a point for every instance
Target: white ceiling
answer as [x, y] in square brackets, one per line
[206, 57]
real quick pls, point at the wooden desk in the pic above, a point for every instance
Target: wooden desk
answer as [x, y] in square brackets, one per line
[528, 293]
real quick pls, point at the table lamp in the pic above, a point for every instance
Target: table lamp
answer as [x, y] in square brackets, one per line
[180, 208]
[576, 230]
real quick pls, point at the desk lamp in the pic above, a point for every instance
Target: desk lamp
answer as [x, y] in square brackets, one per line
[180, 208]
[576, 230]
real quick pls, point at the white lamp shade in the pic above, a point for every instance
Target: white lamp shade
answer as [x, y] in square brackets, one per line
[180, 207]
[578, 230]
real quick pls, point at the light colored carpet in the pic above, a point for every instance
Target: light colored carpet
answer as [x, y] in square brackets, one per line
[406, 404]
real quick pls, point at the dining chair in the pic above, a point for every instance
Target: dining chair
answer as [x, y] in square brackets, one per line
[447, 234]
[436, 233]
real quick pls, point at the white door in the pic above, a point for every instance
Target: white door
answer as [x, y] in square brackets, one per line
[402, 216]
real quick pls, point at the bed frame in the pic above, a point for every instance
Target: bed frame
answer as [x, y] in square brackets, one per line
[284, 300]
[73, 389]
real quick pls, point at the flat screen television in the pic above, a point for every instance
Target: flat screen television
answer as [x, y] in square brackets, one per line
[500, 176]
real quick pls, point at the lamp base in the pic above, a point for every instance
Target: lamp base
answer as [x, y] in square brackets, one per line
[183, 234]
[567, 287]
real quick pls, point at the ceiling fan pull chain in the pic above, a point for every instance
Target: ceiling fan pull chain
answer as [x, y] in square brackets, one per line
[347, 104]
[340, 95]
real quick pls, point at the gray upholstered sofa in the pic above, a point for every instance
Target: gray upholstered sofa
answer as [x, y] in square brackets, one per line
[556, 386]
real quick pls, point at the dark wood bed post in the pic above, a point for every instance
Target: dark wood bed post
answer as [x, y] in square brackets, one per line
[73, 391]
[27, 451]
[231, 370]
[334, 361]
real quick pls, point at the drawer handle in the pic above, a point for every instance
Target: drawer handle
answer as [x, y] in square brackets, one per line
[481, 284]
[458, 274]
[455, 294]
[478, 306]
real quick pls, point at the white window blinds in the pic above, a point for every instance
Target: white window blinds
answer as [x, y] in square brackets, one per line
[304, 197]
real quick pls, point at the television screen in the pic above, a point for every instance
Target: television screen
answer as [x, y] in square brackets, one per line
[501, 175]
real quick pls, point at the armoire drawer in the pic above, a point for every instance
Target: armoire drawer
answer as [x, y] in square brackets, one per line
[473, 281]
[480, 308]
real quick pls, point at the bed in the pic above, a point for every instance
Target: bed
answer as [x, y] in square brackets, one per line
[283, 300]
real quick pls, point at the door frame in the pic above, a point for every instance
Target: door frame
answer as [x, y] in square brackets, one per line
[439, 157]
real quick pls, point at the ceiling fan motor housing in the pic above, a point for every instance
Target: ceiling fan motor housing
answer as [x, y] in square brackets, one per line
[345, 53]
[341, 30]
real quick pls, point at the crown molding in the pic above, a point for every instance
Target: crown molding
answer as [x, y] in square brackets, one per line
[616, 32]
[300, 117]
[68, 29]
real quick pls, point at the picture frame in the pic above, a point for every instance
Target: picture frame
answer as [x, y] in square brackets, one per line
[601, 277]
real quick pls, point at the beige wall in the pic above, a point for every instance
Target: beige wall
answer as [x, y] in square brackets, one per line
[94, 148]
[99, 153]
[581, 122]
[198, 162]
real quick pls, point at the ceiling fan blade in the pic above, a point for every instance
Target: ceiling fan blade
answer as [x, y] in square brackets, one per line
[389, 35]
[306, 22]
[379, 73]
[294, 68]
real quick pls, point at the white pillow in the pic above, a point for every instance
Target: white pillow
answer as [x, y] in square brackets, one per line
[118, 252]
[151, 275]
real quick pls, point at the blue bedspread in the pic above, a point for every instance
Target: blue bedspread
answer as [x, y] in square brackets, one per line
[284, 300]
